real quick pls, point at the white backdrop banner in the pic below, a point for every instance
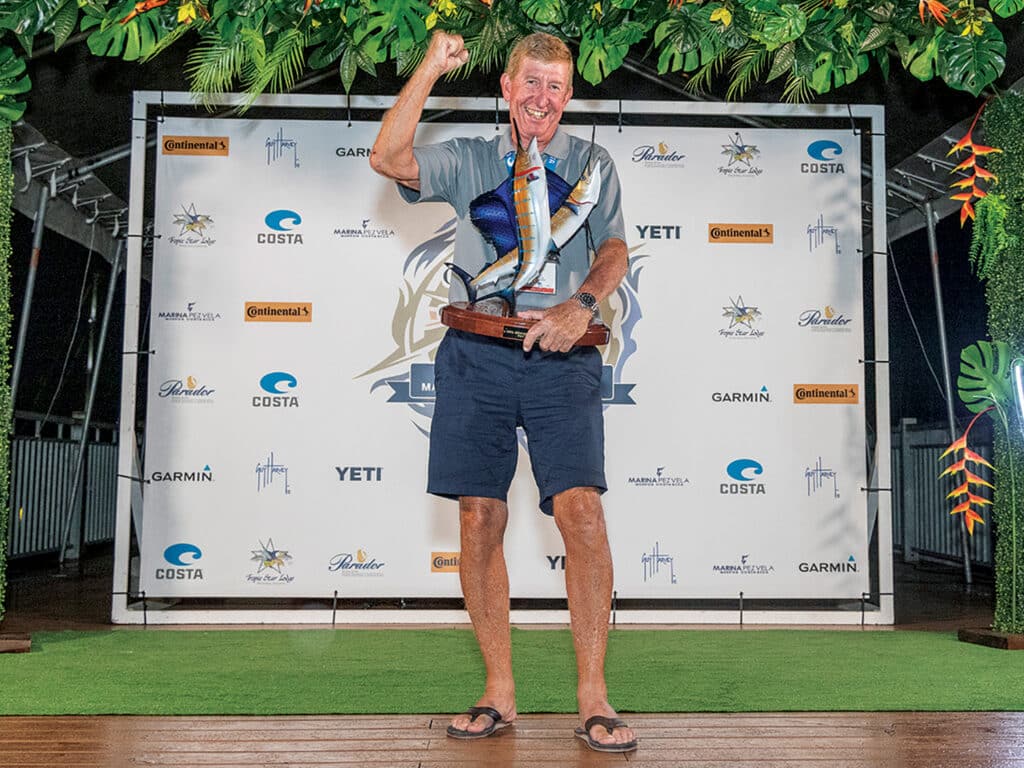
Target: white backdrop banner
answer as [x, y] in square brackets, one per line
[294, 320]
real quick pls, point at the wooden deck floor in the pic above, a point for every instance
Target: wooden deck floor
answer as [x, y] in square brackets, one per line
[840, 740]
[925, 601]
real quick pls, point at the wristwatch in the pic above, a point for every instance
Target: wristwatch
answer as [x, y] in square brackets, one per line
[586, 300]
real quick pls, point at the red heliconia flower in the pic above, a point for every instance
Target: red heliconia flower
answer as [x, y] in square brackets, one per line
[935, 8]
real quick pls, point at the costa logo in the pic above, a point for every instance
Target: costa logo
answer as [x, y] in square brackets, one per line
[182, 554]
[824, 149]
[274, 381]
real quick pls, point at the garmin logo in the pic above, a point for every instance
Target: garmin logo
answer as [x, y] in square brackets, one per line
[849, 566]
[352, 151]
[196, 145]
[205, 475]
[762, 396]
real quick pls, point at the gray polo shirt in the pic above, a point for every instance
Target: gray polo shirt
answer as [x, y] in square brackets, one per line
[459, 170]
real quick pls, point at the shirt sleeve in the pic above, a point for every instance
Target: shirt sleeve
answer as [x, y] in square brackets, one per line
[438, 164]
[606, 220]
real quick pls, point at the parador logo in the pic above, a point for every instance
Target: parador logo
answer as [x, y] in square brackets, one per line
[825, 394]
[196, 145]
[278, 312]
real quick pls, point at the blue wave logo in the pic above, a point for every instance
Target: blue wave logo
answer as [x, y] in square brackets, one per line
[282, 220]
[739, 468]
[824, 150]
[182, 554]
[273, 382]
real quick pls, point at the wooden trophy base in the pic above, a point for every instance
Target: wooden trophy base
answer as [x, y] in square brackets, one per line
[459, 316]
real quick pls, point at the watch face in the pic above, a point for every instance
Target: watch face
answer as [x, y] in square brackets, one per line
[586, 300]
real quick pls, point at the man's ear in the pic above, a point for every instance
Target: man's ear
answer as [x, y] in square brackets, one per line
[506, 85]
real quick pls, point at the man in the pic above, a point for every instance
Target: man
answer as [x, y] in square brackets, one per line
[485, 387]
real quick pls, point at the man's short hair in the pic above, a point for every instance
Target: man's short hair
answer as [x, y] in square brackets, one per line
[540, 46]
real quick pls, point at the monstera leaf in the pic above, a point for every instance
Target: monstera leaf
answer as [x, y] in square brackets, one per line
[970, 62]
[1006, 8]
[984, 375]
[127, 34]
[13, 83]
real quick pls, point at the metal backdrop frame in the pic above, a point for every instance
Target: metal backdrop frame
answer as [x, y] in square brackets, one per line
[874, 608]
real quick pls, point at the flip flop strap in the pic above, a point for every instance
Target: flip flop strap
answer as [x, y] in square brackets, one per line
[491, 712]
[609, 723]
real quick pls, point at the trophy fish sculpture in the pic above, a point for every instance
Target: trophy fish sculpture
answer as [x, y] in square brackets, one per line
[515, 220]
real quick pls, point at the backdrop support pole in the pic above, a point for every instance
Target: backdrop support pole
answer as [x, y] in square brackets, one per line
[947, 381]
[69, 507]
[30, 286]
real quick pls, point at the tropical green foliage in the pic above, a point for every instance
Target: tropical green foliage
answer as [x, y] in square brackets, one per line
[816, 46]
[999, 256]
[6, 196]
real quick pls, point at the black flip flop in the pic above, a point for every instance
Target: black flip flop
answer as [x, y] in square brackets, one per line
[497, 723]
[610, 724]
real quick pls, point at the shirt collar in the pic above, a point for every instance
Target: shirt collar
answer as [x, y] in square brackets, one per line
[558, 146]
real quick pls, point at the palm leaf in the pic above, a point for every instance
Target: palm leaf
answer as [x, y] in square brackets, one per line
[213, 65]
[748, 66]
[700, 80]
[279, 69]
[797, 91]
[169, 39]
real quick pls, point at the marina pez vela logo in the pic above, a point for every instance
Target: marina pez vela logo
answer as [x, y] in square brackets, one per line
[405, 370]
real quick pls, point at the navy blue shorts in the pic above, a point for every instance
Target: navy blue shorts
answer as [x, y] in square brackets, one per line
[484, 388]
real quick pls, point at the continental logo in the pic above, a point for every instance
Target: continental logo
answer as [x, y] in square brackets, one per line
[278, 312]
[196, 145]
[741, 233]
[444, 562]
[825, 393]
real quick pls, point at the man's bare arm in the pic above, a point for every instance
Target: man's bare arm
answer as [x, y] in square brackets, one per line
[561, 326]
[392, 151]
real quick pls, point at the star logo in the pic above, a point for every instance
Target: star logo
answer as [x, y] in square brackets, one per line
[191, 221]
[740, 314]
[738, 152]
[269, 558]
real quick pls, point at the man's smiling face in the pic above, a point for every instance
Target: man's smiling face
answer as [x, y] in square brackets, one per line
[537, 93]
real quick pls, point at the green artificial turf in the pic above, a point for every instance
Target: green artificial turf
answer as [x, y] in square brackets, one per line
[316, 671]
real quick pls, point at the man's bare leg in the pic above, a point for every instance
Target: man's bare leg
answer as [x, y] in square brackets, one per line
[588, 584]
[484, 578]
